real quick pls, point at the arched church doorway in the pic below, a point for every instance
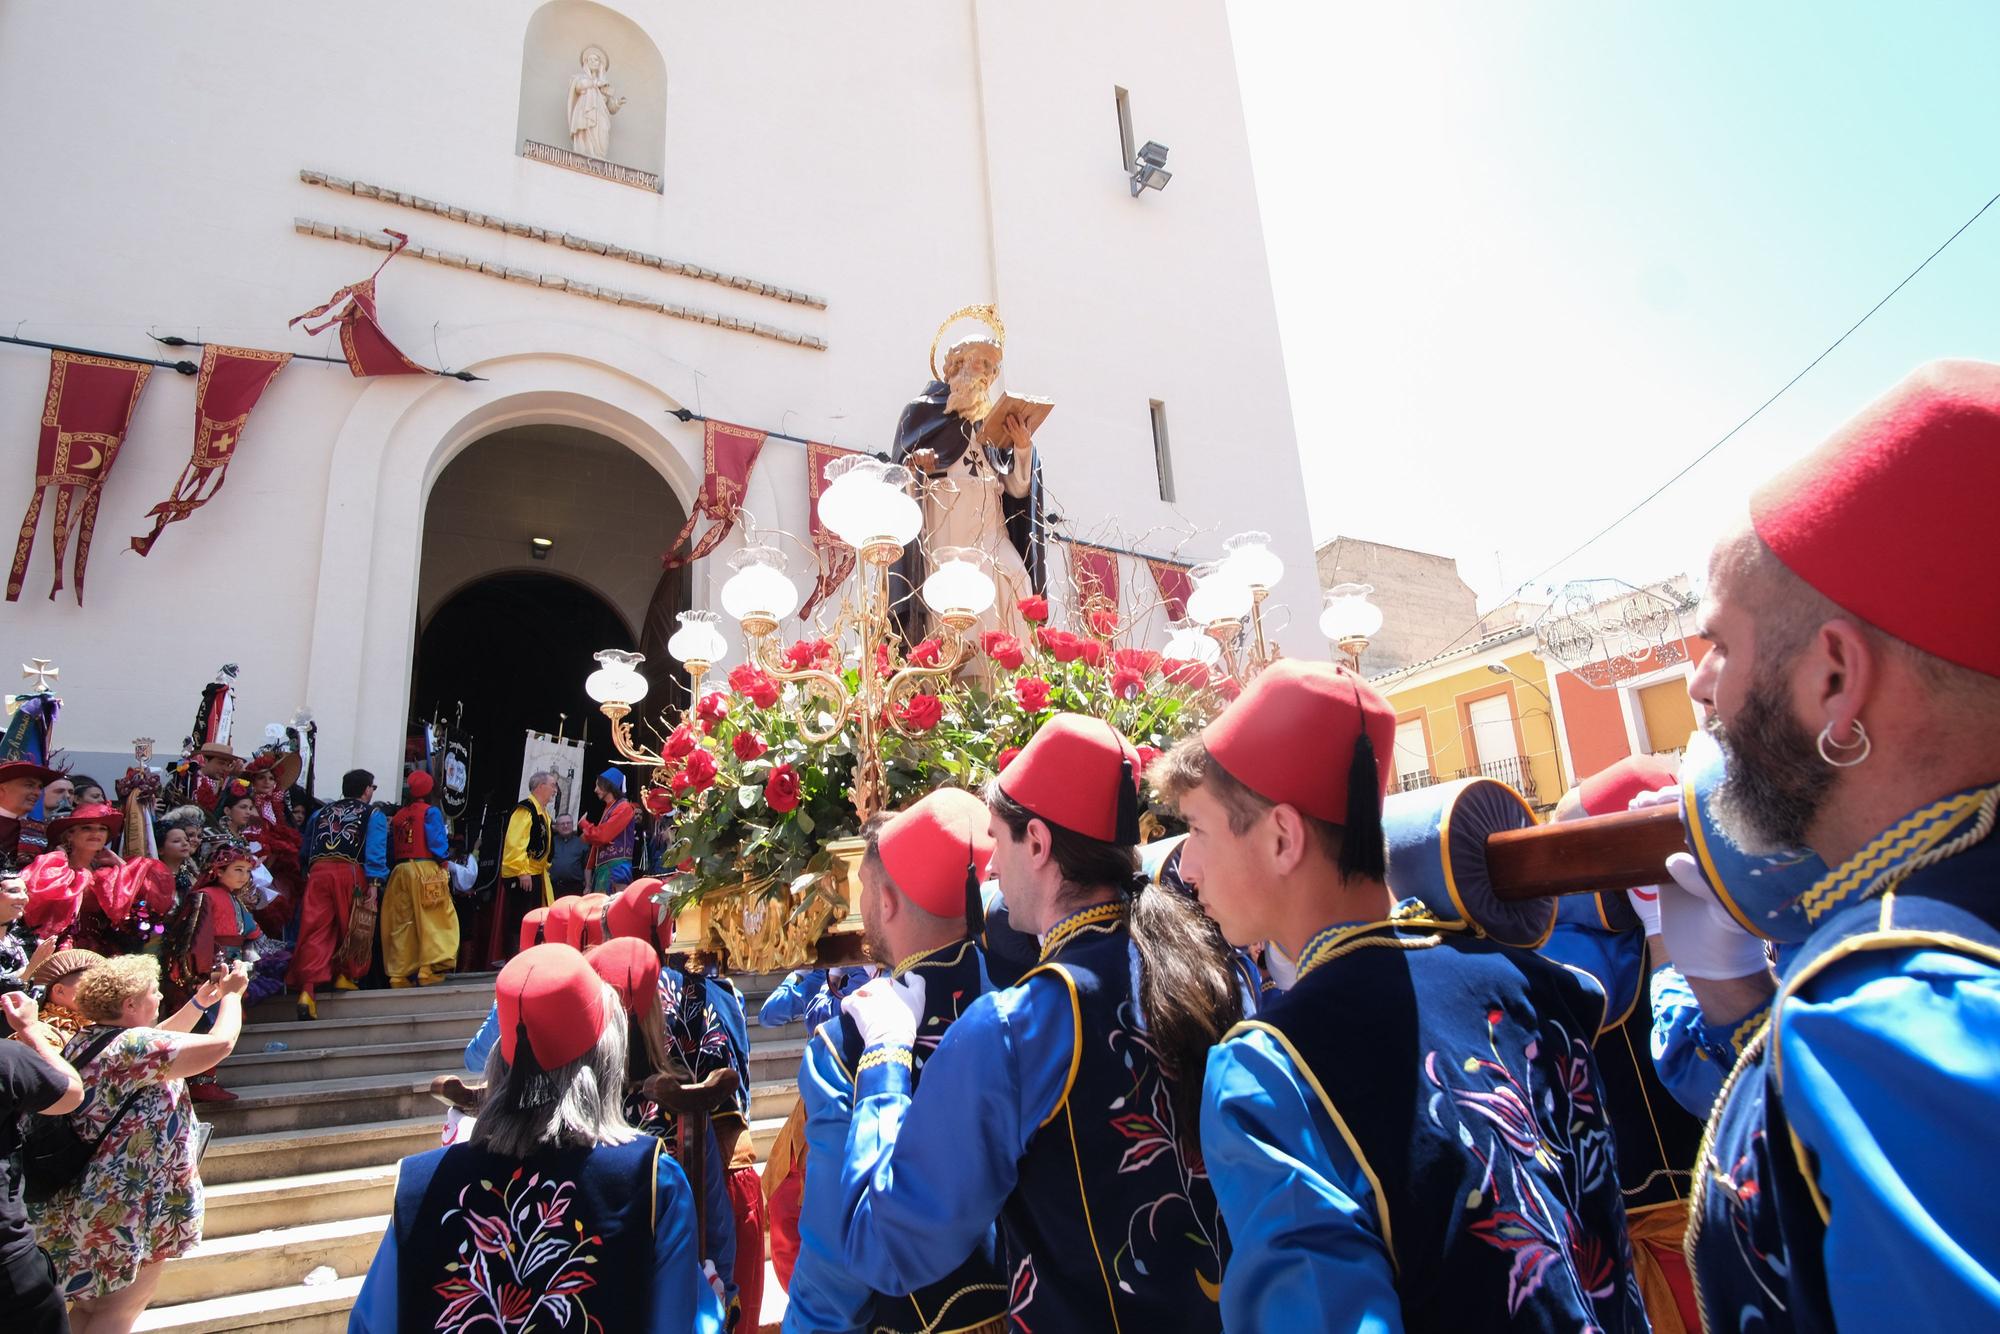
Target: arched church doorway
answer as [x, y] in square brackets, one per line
[507, 624]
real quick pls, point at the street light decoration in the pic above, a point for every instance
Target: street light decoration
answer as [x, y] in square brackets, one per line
[1350, 620]
[1606, 631]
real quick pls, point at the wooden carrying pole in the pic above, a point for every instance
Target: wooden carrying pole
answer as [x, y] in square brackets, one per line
[1623, 850]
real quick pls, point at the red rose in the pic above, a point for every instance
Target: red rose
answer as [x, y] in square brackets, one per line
[1005, 758]
[927, 654]
[1186, 672]
[1093, 651]
[781, 789]
[1003, 648]
[1035, 608]
[1127, 685]
[1141, 660]
[1228, 687]
[748, 746]
[920, 712]
[882, 660]
[1061, 644]
[658, 800]
[1103, 622]
[679, 783]
[754, 685]
[699, 770]
[809, 653]
[1032, 693]
[714, 707]
[1147, 754]
[679, 744]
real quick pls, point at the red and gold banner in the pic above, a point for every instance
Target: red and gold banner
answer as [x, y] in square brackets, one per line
[836, 558]
[367, 349]
[84, 417]
[728, 453]
[1094, 571]
[232, 379]
[1174, 582]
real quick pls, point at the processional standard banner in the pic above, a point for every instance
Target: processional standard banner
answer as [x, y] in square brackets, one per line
[232, 379]
[1094, 572]
[362, 341]
[562, 757]
[84, 417]
[1174, 582]
[728, 453]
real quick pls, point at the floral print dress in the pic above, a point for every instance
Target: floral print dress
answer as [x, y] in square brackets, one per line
[139, 1201]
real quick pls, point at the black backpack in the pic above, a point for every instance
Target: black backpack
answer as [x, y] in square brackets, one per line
[53, 1154]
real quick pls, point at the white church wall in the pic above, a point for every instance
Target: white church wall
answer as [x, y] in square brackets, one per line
[844, 152]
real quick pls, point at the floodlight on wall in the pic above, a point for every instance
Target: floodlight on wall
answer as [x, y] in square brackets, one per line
[540, 547]
[1150, 171]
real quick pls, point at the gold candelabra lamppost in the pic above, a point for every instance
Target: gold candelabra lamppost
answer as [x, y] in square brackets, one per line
[867, 505]
[1227, 598]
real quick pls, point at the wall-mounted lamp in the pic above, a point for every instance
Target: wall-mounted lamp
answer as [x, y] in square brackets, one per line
[540, 547]
[1150, 173]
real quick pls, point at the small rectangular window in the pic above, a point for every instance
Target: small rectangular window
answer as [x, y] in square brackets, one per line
[1162, 459]
[1124, 127]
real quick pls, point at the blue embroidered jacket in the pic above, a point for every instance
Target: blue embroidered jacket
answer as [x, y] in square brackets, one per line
[1414, 1137]
[1840, 1184]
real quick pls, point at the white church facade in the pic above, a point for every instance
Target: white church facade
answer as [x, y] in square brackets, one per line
[617, 214]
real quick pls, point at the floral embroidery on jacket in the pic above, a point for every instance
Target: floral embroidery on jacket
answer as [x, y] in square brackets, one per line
[523, 1257]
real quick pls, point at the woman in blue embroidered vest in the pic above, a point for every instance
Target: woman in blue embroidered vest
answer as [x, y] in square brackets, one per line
[1064, 1106]
[557, 1215]
[1414, 1135]
[1854, 685]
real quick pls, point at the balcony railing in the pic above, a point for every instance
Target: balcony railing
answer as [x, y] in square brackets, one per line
[1513, 771]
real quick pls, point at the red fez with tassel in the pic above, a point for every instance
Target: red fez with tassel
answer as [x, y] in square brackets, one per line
[1612, 788]
[533, 923]
[1922, 459]
[930, 849]
[632, 969]
[419, 783]
[638, 913]
[552, 998]
[1079, 773]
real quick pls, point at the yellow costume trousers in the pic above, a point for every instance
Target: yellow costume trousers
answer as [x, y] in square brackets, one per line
[419, 923]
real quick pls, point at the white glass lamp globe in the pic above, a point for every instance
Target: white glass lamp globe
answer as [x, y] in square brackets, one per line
[868, 506]
[617, 679]
[758, 594]
[699, 639]
[1350, 617]
[1188, 642]
[1248, 559]
[1218, 596]
[959, 589]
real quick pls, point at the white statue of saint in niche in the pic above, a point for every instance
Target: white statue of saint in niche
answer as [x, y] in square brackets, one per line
[592, 105]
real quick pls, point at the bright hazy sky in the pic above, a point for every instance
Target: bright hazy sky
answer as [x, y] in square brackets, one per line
[1531, 258]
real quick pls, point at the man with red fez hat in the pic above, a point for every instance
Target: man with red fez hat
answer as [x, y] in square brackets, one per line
[21, 784]
[1063, 1107]
[920, 906]
[419, 923]
[1413, 1136]
[1854, 687]
[346, 846]
[570, 1205]
[1615, 938]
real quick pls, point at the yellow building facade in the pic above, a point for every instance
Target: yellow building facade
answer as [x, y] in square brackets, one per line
[1485, 709]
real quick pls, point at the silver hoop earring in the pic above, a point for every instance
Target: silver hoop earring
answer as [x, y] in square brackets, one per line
[1861, 743]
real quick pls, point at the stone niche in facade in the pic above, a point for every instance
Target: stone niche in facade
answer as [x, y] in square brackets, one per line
[593, 95]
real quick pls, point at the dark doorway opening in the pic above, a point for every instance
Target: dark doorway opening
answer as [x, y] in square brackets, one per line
[507, 653]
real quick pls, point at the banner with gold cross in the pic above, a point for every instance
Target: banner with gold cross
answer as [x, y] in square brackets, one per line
[84, 417]
[232, 380]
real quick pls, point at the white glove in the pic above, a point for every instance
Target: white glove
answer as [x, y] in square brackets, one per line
[1702, 939]
[886, 1010]
[1658, 796]
[1645, 902]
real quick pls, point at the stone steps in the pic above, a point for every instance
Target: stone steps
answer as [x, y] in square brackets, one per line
[291, 1310]
[272, 1154]
[459, 992]
[277, 1258]
[314, 1103]
[238, 1208]
[364, 1030]
[262, 1069]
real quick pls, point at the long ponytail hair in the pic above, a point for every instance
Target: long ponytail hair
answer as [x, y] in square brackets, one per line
[1187, 979]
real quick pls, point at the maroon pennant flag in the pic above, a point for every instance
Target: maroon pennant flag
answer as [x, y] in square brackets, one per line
[1094, 571]
[728, 453]
[836, 558]
[1174, 582]
[84, 417]
[367, 349]
[232, 380]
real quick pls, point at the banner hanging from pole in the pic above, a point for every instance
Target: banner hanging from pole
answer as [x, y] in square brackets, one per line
[84, 417]
[1094, 572]
[367, 348]
[231, 381]
[1174, 582]
[836, 558]
[728, 453]
[562, 757]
